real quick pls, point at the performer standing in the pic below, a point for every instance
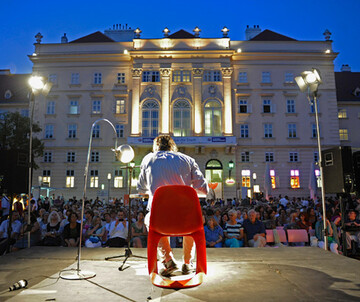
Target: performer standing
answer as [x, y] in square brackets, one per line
[166, 166]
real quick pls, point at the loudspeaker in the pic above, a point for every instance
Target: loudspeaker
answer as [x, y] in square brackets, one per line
[338, 169]
[356, 161]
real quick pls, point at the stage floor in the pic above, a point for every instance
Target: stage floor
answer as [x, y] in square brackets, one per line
[244, 274]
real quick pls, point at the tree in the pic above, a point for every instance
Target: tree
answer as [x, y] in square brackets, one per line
[14, 134]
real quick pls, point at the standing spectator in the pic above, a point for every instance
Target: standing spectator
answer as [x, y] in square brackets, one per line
[255, 230]
[139, 232]
[72, 231]
[118, 231]
[233, 231]
[213, 233]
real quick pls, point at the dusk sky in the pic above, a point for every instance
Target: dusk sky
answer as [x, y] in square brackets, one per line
[21, 20]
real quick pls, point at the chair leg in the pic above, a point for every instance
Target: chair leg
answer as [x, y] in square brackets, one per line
[199, 238]
[153, 240]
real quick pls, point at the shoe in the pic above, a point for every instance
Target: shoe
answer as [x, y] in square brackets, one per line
[187, 268]
[170, 267]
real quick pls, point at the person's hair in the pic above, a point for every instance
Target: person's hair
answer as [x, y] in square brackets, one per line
[231, 212]
[93, 222]
[164, 143]
[52, 214]
[251, 211]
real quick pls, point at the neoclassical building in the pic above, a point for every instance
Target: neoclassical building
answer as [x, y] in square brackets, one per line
[232, 105]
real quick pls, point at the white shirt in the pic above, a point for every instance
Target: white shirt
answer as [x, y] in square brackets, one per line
[284, 201]
[119, 230]
[169, 168]
[15, 227]
[5, 205]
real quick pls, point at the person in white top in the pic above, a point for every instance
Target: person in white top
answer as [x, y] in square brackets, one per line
[166, 166]
[118, 231]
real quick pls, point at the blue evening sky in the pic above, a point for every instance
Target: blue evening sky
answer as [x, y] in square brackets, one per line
[302, 20]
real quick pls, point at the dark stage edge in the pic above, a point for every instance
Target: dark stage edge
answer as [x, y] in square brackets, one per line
[244, 274]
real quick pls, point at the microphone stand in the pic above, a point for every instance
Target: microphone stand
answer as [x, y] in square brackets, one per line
[128, 253]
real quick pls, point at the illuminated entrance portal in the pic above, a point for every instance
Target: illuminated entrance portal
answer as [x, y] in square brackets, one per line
[214, 176]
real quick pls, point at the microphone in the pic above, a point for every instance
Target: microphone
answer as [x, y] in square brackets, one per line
[20, 284]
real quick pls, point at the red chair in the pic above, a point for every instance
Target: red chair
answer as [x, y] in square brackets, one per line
[297, 236]
[269, 236]
[282, 235]
[176, 211]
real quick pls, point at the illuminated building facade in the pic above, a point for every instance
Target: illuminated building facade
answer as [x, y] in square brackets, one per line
[221, 100]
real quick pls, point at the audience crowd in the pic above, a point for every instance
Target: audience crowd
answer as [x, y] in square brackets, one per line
[231, 223]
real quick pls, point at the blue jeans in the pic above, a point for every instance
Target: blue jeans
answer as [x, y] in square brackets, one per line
[233, 242]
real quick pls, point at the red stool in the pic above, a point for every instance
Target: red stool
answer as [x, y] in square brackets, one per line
[176, 211]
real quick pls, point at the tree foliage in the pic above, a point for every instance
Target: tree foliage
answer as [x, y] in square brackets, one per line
[15, 132]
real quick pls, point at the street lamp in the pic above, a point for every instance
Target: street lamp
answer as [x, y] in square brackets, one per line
[309, 82]
[109, 179]
[230, 181]
[38, 86]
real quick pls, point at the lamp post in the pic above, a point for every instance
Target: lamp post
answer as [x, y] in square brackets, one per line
[109, 180]
[309, 82]
[230, 181]
[38, 86]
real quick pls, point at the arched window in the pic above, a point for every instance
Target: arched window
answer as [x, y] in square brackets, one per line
[213, 115]
[150, 118]
[182, 121]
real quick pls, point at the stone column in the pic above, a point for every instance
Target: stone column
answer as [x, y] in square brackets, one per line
[226, 74]
[198, 116]
[135, 108]
[165, 100]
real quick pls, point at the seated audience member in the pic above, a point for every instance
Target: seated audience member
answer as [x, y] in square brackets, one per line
[282, 219]
[139, 232]
[217, 216]
[269, 219]
[89, 217]
[52, 237]
[255, 231]
[15, 232]
[107, 223]
[33, 228]
[302, 223]
[213, 233]
[332, 235]
[233, 231]
[118, 231]
[43, 224]
[95, 233]
[224, 220]
[311, 217]
[72, 231]
[352, 226]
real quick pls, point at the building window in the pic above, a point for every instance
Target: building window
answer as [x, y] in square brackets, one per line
[291, 130]
[95, 157]
[49, 131]
[294, 179]
[212, 76]
[243, 106]
[72, 131]
[121, 78]
[74, 107]
[312, 106]
[182, 118]
[213, 115]
[118, 179]
[290, 106]
[316, 156]
[46, 179]
[293, 156]
[245, 178]
[70, 179]
[269, 156]
[273, 179]
[268, 131]
[96, 131]
[50, 108]
[244, 131]
[314, 131]
[245, 156]
[151, 76]
[70, 157]
[47, 157]
[181, 76]
[119, 130]
[94, 178]
[52, 78]
[267, 108]
[97, 78]
[96, 107]
[242, 77]
[342, 113]
[266, 77]
[344, 134]
[150, 118]
[120, 107]
[289, 77]
[75, 78]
